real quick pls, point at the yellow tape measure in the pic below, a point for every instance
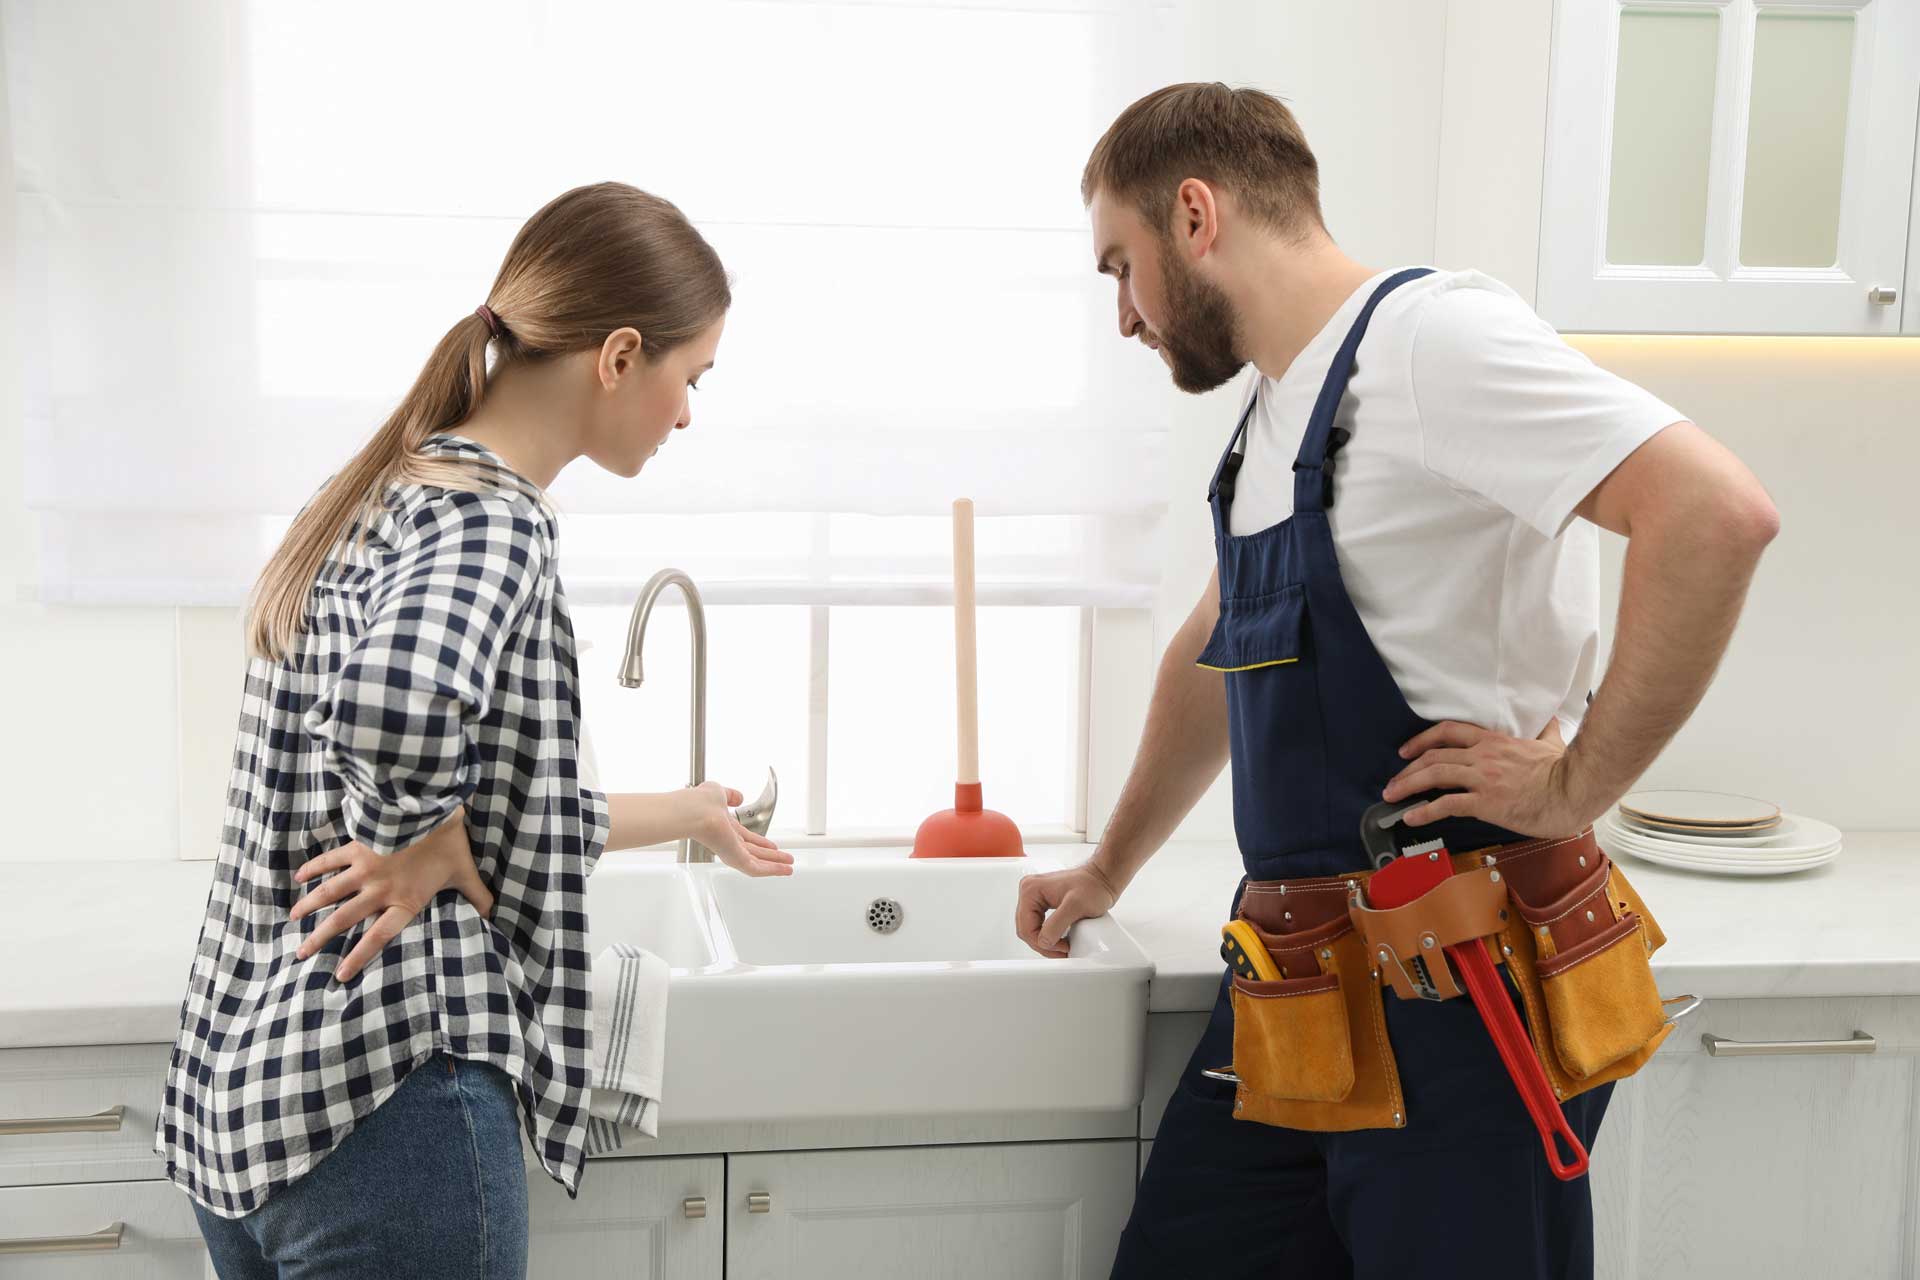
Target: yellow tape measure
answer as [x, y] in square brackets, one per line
[1245, 954]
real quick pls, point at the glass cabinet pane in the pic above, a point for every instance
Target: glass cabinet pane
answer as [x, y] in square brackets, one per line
[1662, 137]
[1796, 139]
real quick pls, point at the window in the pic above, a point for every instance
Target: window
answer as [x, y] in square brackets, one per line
[868, 751]
[291, 203]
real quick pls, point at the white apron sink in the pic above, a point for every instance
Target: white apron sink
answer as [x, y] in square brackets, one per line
[788, 1003]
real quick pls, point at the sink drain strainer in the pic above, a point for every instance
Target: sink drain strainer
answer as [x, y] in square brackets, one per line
[883, 915]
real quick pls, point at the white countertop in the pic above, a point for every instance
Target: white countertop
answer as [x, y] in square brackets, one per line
[99, 952]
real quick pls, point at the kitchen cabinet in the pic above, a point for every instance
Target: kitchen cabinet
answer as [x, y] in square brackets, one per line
[1738, 1165]
[633, 1220]
[934, 1213]
[101, 1231]
[1171, 1038]
[1799, 1160]
[1709, 1164]
[1730, 166]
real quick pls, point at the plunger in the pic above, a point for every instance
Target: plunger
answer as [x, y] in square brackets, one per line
[967, 830]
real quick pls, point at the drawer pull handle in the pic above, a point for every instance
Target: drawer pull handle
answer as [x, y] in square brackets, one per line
[760, 1202]
[694, 1206]
[103, 1241]
[107, 1121]
[1720, 1047]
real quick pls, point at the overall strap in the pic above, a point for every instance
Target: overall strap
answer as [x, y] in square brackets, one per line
[1220, 489]
[1313, 469]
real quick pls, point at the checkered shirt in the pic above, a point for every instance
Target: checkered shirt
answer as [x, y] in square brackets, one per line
[437, 670]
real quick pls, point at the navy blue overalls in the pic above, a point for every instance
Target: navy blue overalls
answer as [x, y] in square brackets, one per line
[1316, 719]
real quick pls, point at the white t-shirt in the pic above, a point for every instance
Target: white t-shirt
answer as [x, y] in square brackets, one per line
[1476, 432]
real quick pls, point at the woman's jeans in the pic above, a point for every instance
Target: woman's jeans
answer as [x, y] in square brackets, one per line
[432, 1185]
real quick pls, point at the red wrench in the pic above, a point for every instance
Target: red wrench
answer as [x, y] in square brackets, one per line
[1406, 879]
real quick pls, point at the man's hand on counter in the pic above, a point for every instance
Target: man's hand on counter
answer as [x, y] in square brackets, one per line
[1052, 903]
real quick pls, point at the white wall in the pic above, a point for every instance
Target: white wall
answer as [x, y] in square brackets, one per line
[88, 751]
[1817, 703]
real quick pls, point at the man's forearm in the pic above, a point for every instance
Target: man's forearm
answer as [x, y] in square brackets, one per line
[1182, 750]
[1684, 583]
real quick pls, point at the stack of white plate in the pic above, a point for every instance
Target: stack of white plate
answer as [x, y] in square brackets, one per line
[1717, 834]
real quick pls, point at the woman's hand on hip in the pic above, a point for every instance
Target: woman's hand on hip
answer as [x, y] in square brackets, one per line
[390, 888]
[708, 818]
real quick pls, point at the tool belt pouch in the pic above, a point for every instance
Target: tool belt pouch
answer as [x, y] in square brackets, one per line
[1466, 906]
[1311, 1048]
[1577, 943]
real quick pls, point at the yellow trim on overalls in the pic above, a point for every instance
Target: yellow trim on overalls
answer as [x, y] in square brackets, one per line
[1278, 662]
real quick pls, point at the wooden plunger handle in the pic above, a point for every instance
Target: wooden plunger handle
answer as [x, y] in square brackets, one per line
[965, 652]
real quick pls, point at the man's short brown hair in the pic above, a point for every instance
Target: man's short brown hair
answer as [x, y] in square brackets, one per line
[1241, 141]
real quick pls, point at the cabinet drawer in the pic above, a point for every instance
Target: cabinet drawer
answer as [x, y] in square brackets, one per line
[1809, 1023]
[102, 1231]
[68, 1089]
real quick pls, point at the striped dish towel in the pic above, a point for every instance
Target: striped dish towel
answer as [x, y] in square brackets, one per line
[629, 1046]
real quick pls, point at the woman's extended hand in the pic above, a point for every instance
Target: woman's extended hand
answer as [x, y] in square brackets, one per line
[393, 888]
[707, 816]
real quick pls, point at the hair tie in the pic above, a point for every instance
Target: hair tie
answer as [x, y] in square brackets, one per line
[494, 326]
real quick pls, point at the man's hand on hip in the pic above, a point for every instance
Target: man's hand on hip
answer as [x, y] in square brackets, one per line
[1516, 783]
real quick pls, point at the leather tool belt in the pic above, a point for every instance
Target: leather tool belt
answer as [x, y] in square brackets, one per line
[1310, 1049]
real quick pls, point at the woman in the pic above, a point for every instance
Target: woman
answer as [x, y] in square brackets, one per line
[345, 1095]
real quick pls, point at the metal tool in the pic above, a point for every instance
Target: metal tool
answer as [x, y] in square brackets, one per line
[1405, 880]
[1385, 837]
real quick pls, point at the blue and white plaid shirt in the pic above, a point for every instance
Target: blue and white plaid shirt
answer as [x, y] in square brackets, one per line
[437, 670]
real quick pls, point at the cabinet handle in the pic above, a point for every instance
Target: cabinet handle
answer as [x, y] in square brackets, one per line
[103, 1241]
[759, 1202]
[1719, 1047]
[107, 1121]
[694, 1206]
[1883, 296]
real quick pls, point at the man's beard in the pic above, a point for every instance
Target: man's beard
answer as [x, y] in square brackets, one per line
[1199, 336]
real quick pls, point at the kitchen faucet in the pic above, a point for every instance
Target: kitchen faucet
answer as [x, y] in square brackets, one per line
[757, 816]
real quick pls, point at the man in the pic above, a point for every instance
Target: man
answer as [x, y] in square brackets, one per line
[1417, 614]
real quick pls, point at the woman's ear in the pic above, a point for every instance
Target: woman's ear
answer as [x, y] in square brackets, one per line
[619, 354]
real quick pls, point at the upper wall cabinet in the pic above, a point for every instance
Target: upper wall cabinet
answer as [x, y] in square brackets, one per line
[1730, 166]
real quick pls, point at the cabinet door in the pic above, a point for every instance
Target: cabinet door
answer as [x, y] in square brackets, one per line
[1774, 1165]
[1909, 304]
[633, 1219]
[1729, 166]
[101, 1231]
[934, 1213]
